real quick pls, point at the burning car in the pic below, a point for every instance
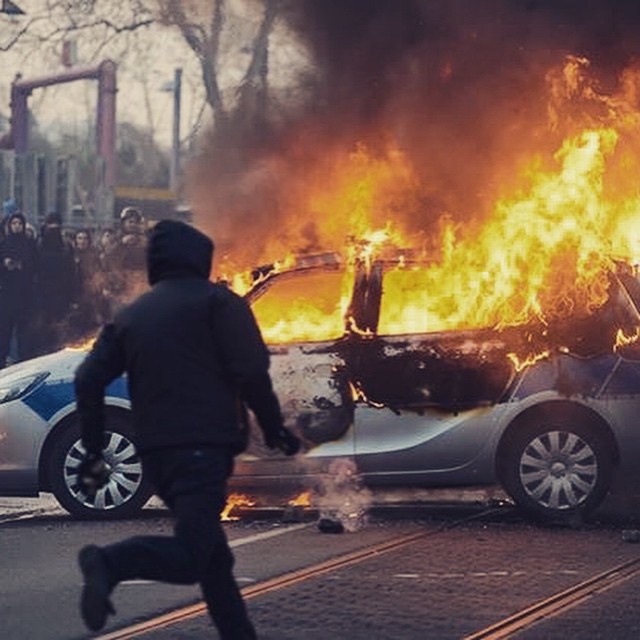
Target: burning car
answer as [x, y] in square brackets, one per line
[364, 373]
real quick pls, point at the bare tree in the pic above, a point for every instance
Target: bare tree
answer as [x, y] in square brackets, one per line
[49, 23]
[222, 34]
[229, 38]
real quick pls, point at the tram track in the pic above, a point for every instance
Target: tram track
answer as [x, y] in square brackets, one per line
[508, 627]
[292, 578]
[558, 603]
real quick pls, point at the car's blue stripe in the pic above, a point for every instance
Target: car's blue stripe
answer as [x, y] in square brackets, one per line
[50, 397]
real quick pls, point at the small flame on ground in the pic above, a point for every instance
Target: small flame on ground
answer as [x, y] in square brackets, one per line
[302, 500]
[233, 501]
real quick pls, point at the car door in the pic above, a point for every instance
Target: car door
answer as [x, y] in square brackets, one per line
[301, 313]
[427, 400]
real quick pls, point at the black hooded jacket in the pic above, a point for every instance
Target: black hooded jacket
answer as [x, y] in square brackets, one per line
[192, 351]
[17, 284]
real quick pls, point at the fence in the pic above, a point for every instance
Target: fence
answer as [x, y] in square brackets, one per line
[40, 183]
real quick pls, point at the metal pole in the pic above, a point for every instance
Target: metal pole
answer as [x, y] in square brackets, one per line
[19, 118]
[175, 156]
[106, 120]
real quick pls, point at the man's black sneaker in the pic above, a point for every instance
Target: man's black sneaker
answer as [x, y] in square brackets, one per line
[95, 605]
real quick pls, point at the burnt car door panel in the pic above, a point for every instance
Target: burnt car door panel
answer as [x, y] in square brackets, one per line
[419, 392]
[315, 405]
[434, 371]
[313, 395]
[402, 364]
[297, 311]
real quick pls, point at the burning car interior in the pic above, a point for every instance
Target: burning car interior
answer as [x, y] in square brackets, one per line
[377, 313]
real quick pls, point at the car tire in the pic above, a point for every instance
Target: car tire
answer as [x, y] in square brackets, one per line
[557, 468]
[127, 491]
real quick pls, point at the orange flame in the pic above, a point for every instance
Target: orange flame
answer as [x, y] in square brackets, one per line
[541, 254]
[623, 340]
[86, 345]
[523, 363]
[302, 500]
[234, 501]
[358, 395]
[312, 308]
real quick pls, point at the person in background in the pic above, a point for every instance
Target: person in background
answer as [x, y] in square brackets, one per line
[106, 242]
[193, 354]
[31, 232]
[124, 262]
[110, 282]
[128, 251]
[18, 268]
[88, 308]
[9, 208]
[55, 283]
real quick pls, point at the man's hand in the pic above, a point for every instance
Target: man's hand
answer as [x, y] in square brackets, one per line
[284, 440]
[93, 473]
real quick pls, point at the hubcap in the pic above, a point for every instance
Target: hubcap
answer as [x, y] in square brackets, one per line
[124, 468]
[558, 470]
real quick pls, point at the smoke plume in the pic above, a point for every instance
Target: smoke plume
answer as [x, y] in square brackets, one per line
[458, 86]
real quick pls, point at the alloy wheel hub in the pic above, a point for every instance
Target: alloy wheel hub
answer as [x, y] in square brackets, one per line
[123, 465]
[558, 470]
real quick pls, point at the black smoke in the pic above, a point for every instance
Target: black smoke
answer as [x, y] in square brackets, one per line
[460, 85]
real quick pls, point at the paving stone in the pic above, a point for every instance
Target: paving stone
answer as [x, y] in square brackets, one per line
[446, 585]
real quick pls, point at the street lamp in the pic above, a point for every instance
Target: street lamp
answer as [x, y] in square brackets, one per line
[174, 170]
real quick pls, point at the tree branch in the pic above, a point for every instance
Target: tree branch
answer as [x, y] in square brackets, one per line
[253, 89]
[205, 47]
[258, 68]
[209, 65]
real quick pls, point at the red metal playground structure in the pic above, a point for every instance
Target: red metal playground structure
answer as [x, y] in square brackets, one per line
[39, 184]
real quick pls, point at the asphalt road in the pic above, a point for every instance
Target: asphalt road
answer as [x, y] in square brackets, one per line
[40, 588]
[466, 565]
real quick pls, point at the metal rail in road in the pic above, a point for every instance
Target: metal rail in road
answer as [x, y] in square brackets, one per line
[289, 579]
[559, 602]
[506, 628]
[280, 582]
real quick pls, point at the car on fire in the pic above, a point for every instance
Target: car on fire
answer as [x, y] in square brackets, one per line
[412, 408]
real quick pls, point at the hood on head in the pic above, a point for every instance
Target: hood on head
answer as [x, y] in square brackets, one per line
[53, 218]
[9, 207]
[15, 216]
[178, 250]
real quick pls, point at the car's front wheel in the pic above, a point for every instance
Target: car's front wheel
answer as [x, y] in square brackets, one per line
[557, 468]
[127, 489]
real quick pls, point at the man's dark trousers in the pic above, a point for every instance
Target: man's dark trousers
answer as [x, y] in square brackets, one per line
[192, 483]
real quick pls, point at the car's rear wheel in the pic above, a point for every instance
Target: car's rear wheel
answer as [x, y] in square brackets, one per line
[556, 468]
[127, 490]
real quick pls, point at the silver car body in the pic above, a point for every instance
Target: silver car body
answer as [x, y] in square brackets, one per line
[411, 410]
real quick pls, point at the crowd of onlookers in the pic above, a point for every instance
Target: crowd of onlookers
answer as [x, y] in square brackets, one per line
[57, 285]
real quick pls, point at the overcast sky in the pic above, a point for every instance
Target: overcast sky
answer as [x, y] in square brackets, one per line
[165, 52]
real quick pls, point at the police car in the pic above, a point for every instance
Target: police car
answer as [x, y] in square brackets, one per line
[418, 409]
